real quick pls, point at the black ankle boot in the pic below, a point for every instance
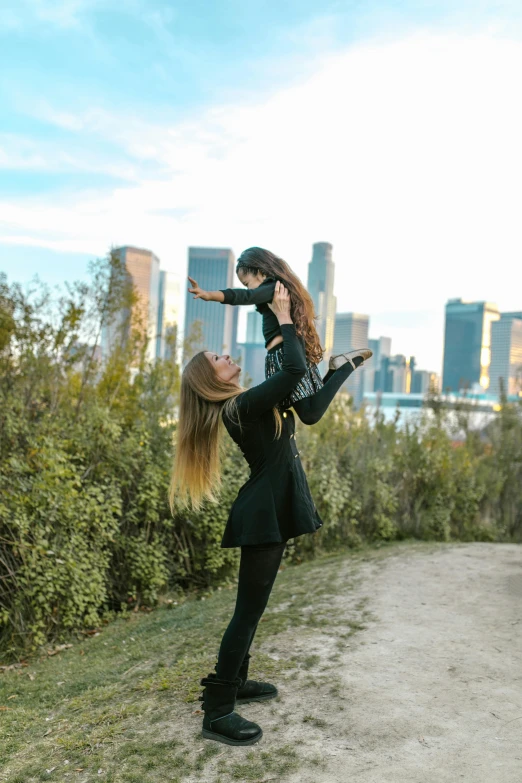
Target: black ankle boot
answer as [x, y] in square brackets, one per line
[251, 690]
[221, 723]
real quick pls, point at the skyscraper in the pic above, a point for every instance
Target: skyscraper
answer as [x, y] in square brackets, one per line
[254, 332]
[253, 350]
[235, 350]
[213, 269]
[381, 349]
[351, 331]
[168, 314]
[506, 354]
[143, 268]
[423, 382]
[467, 344]
[321, 271]
[395, 374]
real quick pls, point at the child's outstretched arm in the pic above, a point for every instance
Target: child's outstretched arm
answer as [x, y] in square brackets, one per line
[263, 294]
[207, 296]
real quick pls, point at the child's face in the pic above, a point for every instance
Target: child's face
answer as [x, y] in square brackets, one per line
[249, 280]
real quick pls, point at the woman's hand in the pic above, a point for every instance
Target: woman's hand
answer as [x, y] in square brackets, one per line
[200, 293]
[280, 304]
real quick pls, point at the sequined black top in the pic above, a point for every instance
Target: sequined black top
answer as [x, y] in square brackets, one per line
[260, 297]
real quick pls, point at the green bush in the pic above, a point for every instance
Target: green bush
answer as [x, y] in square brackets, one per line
[85, 459]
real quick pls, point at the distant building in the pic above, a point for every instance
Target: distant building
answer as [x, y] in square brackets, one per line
[398, 375]
[143, 268]
[253, 352]
[351, 331]
[467, 344]
[168, 314]
[506, 354]
[395, 374]
[252, 363]
[254, 331]
[236, 350]
[321, 272]
[424, 382]
[381, 348]
[213, 269]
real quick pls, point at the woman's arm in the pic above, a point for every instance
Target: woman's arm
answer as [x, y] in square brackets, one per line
[266, 395]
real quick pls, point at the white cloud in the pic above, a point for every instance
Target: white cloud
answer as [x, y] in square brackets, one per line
[406, 155]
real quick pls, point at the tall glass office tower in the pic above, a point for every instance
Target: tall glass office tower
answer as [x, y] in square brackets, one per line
[381, 348]
[143, 268]
[506, 354]
[213, 269]
[254, 330]
[168, 314]
[467, 344]
[321, 272]
[351, 331]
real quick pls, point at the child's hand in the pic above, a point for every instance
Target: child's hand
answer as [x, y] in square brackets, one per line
[200, 293]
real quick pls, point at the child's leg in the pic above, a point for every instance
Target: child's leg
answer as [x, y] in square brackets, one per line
[312, 409]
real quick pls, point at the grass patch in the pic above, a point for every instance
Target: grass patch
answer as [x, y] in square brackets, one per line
[318, 722]
[258, 766]
[125, 701]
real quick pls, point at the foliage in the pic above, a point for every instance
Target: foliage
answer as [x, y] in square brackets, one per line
[86, 452]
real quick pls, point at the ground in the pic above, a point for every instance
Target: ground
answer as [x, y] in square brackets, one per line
[398, 664]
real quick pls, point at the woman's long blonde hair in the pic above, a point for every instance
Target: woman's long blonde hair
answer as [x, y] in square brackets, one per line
[196, 474]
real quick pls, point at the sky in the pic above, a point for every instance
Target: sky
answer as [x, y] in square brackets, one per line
[391, 129]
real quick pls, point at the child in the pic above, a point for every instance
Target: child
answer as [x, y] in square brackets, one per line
[259, 270]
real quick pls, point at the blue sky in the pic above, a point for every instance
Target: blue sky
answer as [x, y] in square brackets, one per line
[233, 123]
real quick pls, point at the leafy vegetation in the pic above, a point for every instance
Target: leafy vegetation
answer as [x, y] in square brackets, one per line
[85, 457]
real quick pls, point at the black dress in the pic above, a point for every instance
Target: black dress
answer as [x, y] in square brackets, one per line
[275, 503]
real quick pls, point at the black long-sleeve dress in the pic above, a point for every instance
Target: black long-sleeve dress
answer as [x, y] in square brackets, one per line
[275, 504]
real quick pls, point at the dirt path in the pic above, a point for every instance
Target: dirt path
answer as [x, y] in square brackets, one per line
[395, 665]
[430, 690]
[433, 686]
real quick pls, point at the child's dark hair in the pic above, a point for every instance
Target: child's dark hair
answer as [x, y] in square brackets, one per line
[256, 259]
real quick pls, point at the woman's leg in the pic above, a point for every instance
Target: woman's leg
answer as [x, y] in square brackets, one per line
[312, 409]
[257, 572]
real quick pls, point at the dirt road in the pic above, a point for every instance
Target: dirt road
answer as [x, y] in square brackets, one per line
[431, 690]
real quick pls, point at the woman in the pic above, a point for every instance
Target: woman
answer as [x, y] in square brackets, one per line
[259, 269]
[273, 506]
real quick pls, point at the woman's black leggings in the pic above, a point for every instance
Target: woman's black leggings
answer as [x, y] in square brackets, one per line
[312, 409]
[258, 569]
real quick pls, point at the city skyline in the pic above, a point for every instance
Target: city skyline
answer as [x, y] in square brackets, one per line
[482, 347]
[172, 142]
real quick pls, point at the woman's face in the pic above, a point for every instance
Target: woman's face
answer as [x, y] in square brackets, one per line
[224, 367]
[249, 280]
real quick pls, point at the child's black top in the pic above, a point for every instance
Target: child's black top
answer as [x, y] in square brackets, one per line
[260, 297]
[275, 503]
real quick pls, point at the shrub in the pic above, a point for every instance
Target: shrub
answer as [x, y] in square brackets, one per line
[85, 459]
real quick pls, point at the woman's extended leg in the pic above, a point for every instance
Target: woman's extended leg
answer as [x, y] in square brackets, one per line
[312, 409]
[257, 572]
